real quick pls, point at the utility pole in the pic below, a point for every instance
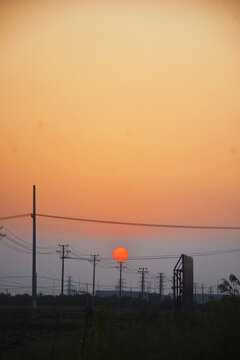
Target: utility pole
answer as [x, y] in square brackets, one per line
[87, 292]
[69, 287]
[203, 300]
[120, 279]
[149, 286]
[95, 259]
[142, 272]
[195, 293]
[121, 266]
[160, 285]
[34, 275]
[63, 252]
[210, 291]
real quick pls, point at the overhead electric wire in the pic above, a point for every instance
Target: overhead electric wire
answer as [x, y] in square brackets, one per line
[175, 256]
[14, 216]
[150, 274]
[130, 270]
[49, 278]
[113, 222]
[25, 247]
[20, 247]
[25, 242]
[78, 259]
[15, 277]
[108, 264]
[17, 237]
[127, 223]
[13, 248]
[3, 286]
[12, 282]
[77, 252]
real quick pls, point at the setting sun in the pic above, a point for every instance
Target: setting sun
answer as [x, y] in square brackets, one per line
[120, 254]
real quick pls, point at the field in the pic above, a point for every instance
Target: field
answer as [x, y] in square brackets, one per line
[127, 333]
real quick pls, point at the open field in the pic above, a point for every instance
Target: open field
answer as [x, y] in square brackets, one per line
[80, 333]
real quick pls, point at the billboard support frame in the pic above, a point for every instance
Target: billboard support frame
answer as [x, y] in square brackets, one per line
[183, 285]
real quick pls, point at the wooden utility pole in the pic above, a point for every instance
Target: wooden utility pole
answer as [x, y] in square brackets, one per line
[63, 252]
[94, 261]
[203, 300]
[160, 285]
[195, 292]
[142, 272]
[120, 279]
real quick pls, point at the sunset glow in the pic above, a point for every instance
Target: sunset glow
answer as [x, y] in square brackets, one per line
[121, 110]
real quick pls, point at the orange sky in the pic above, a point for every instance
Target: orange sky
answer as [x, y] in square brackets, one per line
[123, 110]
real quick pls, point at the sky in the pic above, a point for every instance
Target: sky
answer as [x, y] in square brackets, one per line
[122, 110]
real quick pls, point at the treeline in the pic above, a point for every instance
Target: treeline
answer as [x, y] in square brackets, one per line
[84, 300]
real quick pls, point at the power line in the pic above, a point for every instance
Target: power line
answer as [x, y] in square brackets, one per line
[112, 222]
[176, 256]
[13, 248]
[17, 237]
[158, 257]
[142, 271]
[21, 247]
[14, 277]
[76, 252]
[64, 254]
[26, 247]
[25, 242]
[14, 216]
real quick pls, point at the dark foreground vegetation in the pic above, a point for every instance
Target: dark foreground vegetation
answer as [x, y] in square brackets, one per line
[141, 331]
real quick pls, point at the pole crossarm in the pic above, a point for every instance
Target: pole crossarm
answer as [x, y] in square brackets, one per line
[142, 271]
[64, 254]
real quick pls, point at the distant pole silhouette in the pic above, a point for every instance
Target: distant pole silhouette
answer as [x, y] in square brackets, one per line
[94, 262]
[69, 286]
[63, 252]
[160, 287]
[120, 280]
[87, 292]
[142, 272]
[203, 300]
[195, 293]
[34, 277]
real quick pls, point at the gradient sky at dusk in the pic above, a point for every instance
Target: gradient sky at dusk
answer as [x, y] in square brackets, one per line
[124, 110]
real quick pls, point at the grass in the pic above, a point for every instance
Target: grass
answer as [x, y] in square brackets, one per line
[131, 334]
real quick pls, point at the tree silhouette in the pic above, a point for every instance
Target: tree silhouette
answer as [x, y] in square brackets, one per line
[231, 286]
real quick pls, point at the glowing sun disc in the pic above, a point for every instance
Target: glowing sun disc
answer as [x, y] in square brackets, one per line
[120, 254]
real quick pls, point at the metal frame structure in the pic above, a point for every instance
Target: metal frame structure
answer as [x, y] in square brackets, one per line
[183, 284]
